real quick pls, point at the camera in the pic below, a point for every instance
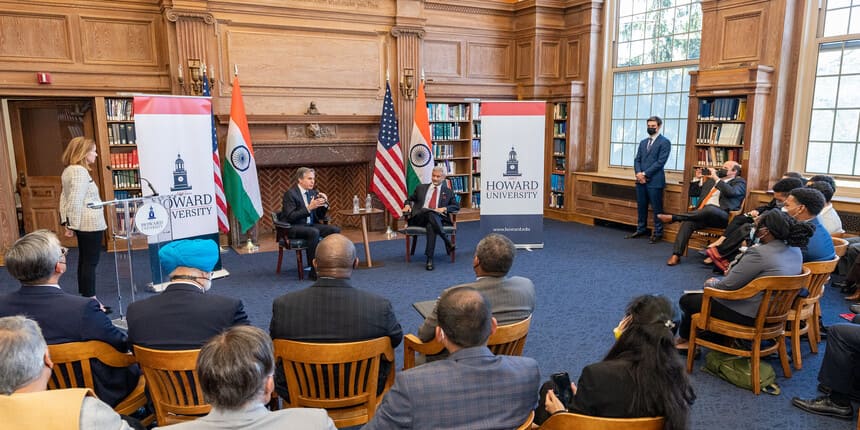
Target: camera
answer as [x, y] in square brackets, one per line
[705, 171]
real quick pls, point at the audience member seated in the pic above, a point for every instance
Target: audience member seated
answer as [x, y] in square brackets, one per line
[804, 204]
[305, 208]
[839, 376]
[235, 370]
[26, 403]
[431, 206]
[331, 310]
[828, 217]
[722, 191]
[184, 316]
[641, 376]
[775, 252]
[726, 248]
[38, 261]
[471, 389]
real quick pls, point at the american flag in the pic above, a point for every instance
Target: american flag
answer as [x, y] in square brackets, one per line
[220, 201]
[389, 182]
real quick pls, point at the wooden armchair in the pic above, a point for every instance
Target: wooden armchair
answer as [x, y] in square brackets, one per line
[72, 370]
[507, 340]
[568, 420]
[341, 378]
[412, 232]
[777, 296]
[173, 384]
[807, 309]
[840, 245]
[282, 230]
[528, 423]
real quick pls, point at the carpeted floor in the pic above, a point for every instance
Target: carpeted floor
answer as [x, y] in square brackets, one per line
[584, 277]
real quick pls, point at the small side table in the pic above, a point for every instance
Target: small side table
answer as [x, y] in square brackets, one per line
[363, 213]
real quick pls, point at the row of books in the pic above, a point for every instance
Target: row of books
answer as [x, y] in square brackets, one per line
[459, 184]
[476, 183]
[445, 131]
[442, 151]
[476, 165]
[476, 200]
[124, 160]
[715, 156]
[119, 109]
[126, 179]
[449, 112]
[559, 163]
[121, 134]
[476, 111]
[559, 129]
[126, 194]
[476, 130]
[476, 147]
[556, 182]
[720, 134]
[723, 109]
[450, 166]
[559, 146]
[559, 111]
[556, 200]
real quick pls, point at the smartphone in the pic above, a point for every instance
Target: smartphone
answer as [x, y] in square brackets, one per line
[562, 388]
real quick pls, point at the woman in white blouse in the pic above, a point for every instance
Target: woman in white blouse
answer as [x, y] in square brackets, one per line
[88, 224]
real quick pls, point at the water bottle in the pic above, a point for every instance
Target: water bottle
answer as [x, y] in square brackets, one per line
[355, 204]
[368, 203]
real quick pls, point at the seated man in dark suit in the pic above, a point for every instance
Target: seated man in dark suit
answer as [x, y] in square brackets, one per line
[38, 261]
[305, 208]
[431, 206]
[183, 316]
[471, 389]
[839, 375]
[512, 299]
[723, 191]
[331, 310]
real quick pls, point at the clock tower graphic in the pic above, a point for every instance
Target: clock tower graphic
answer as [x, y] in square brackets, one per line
[512, 166]
[180, 176]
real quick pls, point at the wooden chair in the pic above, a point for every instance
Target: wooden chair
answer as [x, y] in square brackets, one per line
[507, 340]
[807, 310]
[282, 230]
[324, 375]
[412, 233]
[72, 370]
[777, 295]
[700, 239]
[173, 384]
[840, 245]
[568, 420]
[528, 424]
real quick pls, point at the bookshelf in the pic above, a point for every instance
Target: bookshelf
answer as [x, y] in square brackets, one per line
[557, 150]
[453, 130]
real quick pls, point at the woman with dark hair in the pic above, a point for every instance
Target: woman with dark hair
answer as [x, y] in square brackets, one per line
[777, 240]
[641, 376]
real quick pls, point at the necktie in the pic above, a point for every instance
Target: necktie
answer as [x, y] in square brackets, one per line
[650, 141]
[433, 198]
[308, 197]
[708, 197]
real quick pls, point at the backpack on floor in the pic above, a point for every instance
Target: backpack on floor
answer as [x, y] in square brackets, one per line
[738, 371]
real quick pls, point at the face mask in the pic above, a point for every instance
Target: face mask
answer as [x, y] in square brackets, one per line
[652, 131]
[722, 173]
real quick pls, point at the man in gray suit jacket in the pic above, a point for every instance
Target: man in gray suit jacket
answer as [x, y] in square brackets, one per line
[511, 299]
[235, 370]
[472, 389]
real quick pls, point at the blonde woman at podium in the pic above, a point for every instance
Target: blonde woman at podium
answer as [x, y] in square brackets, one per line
[86, 223]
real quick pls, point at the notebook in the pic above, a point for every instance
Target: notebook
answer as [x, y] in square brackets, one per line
[424, 308]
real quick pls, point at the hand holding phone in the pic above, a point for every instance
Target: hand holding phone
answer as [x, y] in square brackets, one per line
[562, 388]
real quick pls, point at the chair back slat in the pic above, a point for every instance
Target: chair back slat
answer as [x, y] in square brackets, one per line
[339, 377]
[510, 339]
[840, 246]
[567, 420]
[174, 387]
[819, 276]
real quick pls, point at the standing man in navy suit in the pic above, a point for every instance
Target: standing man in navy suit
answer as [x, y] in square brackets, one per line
[431, 206]
[650, 179]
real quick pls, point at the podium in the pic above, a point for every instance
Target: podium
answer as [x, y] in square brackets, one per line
[127, 230]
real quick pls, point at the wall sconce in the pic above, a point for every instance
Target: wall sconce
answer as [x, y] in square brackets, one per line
[196, 69]
[407, 83]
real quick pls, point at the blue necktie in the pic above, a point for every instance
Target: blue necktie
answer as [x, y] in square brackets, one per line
[308, 196]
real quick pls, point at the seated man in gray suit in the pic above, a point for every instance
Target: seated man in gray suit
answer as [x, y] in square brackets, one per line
[236, 374]
[472, 389]
[512, 299]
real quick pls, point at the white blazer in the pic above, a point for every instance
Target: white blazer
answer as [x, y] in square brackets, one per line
[79, 189]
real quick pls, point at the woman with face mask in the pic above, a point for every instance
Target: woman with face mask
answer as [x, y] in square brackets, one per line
[775, 252]
[641, 376]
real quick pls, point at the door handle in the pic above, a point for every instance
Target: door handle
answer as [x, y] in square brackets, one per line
[22, 180]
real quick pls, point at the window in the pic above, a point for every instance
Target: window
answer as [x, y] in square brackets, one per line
[834, 146]
[657, 44]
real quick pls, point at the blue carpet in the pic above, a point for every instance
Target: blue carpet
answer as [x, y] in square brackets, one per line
[584, 277]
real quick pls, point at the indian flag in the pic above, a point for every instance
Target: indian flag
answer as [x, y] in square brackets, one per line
[420, 167]
[240, 169]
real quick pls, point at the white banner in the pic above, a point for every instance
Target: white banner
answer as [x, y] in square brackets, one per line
[512, 170]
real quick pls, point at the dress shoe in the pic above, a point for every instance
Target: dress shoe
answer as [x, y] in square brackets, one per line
[673, 260]
[666, 218]
[855, 308]
[845, 287]
[824, 406]
[654, 239]
[634, 235]
[449, 248]
[429, 265]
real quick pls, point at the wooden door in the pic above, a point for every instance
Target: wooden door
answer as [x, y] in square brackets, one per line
[41, 129]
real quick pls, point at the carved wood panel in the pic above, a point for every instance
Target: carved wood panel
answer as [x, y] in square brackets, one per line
[442, 58]
[33, 37]
[572, 61]
[742, 37]
[489, 60]
[550, 59]
[525, 59]
[118, 41]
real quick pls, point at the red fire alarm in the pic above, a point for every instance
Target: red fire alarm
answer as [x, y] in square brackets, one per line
[43, 77]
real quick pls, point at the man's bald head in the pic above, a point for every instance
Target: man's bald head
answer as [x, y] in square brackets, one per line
[335, 257]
